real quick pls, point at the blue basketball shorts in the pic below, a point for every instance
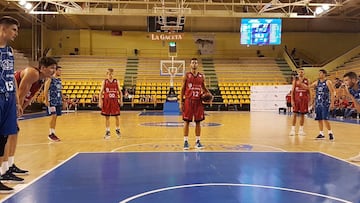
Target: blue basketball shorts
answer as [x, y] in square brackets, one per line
[322, 113]
[8, 117]
[51, 110]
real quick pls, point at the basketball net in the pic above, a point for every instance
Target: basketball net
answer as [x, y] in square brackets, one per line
[172, 71]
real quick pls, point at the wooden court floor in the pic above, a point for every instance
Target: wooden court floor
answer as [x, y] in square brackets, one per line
[83, 131]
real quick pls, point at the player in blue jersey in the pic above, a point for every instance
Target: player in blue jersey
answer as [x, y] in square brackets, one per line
[53, 101]
[9, 100]
[352, 91]
[324, 101]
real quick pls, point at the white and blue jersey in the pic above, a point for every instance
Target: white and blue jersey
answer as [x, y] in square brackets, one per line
[55, 94]
[7, 70]
[322, 98]
[8, 116]
[322, 101]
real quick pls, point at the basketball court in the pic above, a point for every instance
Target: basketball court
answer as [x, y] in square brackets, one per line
[246, 154]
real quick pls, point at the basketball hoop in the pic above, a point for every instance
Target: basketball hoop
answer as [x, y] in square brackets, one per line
[172, 71]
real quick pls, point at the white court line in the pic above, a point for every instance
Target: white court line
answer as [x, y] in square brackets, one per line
[149, 143]
[230, 184]
[36, 179]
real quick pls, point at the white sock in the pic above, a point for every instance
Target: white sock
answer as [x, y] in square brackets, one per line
[1, 170]
[292, 128]
[197, 138]
[52, 130]
[321, 132]
[330, 132]
[185, 138]
[5, 166]
[117, 128]
[11, 160]
[108, 129]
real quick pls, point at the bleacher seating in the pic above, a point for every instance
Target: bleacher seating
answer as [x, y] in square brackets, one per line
[352, 65]
[82, 76]
[256, 70]
[91, 67]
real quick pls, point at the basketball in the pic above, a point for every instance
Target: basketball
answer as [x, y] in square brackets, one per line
[207, 97]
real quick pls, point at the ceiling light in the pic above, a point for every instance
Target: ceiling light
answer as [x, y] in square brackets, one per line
[28, 6]
[22, 2]
[319, 10]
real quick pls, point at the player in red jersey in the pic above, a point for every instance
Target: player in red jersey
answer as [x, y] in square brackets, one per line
[109, 97]
[288, 102]
[190, 101]
[299, 100]
[29, 81]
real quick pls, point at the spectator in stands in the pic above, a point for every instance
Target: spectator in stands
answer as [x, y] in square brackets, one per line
[110, 100]
[352, 90]
[349, 110]
[66, 101]
[73, 103]
[259, 54]
[337, 83]
[343, 104]
[142, 98]
[293, 53]
[9, 100]
[95, 98]
[53, 101]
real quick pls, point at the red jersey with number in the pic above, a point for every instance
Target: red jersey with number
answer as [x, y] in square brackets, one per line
[301, 97]
[193, 85]
[35, 87]
[299, 91]
[111, 89]
[193, 107]
[111, 105]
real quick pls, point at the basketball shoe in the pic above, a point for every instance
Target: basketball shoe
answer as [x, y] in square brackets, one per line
[331, 137]
[198, 145]
[118, 133]
[53, 137]
[11, 178]
[186, 145]
[5, 189]
[107, 135]
[17, 171]
[320, 137]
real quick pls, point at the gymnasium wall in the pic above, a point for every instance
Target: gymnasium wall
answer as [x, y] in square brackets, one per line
[319, 46]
